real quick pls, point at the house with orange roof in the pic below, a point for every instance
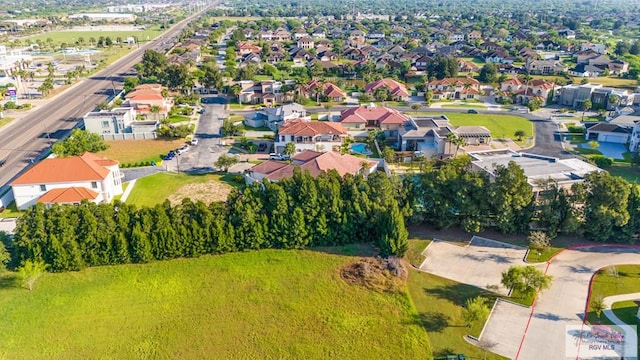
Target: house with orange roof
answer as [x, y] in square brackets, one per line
[311, 135]
[525, 91]
[455, 89]
[68, 181]
[144, 97]
[314, 162]
[397, 91]
[324, 91]
[358, 120]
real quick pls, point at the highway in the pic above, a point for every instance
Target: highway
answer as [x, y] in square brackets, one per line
[27, 140]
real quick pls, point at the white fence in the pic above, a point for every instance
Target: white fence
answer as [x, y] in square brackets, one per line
[130, 136]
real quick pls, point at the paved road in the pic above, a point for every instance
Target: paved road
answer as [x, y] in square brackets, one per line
[30, 138]
[563, 304]
[200, 158]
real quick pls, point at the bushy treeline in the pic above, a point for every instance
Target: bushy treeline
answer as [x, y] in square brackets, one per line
[295, 213]
[601, 208]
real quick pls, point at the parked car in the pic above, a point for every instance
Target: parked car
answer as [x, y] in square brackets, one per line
[183, 149]
[262, 147]
[194, 141]
[201, 111]
[276, 156]
[472, 111]
[169, 156]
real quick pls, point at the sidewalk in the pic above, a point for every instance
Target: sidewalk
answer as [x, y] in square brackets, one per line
[610, 300]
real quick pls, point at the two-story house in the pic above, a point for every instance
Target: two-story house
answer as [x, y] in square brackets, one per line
[118, 121]
[274, 117]
[310, 135]
[397, 90]
[68, 181]
[454, 88]
[305, 43]
[146, 99]
[358, 120]
[545, 67]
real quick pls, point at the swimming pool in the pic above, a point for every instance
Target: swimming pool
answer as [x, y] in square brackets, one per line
[360, 148]
[612, 150]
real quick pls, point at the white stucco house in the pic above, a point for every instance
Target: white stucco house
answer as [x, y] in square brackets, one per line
[68, 181]
[311, 135]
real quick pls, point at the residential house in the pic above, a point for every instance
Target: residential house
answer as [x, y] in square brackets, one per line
[265, 35]
[467, 66]
[634, 140]
[545, 67]
[499, 57]
[117, 121]
[358, 120]
[375, 35]
[567, 33]
[582, 57]
[68, 181]
[601, 98]
[563, 172]
[299, 33]
[305, 43]
[328, 55]
[383, 43]
[455, 88]
[266, 92]
[598, 48]
[397, 91]
[456, 37]
[274, 117]
[526, 91]
[396, 51]
[314, 162]
[146, 97]
[423, 63]
[246, 47]
[474, 35]
[318, 33]
[329, 91]
[281, 35]
[356, 39]
[574, 95]
[585, 71]
[310, 135]
[612, 133]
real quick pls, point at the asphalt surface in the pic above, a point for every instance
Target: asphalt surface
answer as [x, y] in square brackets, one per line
[28, 140]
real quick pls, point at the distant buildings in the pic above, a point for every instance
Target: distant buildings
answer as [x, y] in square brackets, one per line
[104, 16]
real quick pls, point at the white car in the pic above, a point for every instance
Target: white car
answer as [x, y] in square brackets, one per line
[194, 142]
[183, 149]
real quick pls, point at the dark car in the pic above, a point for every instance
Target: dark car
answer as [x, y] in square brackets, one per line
[472, 111]
[169, 156]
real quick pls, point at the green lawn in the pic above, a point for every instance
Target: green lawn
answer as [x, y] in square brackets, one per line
[501, 126]
[270, 304]
[545, 255]
[175, 118]
[154, 189]
[626, 311]
[128, 151]
[466, 106]
[629, 172]
[70, 37]
[11, 211]
[586, 151]
[5, 120]
[607, 284]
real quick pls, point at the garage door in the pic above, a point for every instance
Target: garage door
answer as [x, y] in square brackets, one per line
[619, 139]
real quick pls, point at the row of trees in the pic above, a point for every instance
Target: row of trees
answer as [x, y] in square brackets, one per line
[602, 208]
[295, 213]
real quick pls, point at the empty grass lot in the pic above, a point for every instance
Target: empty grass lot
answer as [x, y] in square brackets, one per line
[134, 151]
[439, 302]
[629, 172]
[270, 304]
[501, 126]
[70, 37]
[155, 189]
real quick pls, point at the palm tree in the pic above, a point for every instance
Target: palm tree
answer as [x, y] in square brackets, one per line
[458, 141]
[519, 134]
[236, 89]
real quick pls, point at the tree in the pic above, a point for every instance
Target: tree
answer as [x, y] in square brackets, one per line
[5, 256]
[586, 106]
[428, 97]
[519, 134]
[510, 199]
[78, 143]
[534, 104]
[394, 234]
[290, 149]
[488, 73]
[415, 107]
[153, 64]
[130, 82]
[30, 271]
[598, 306]
[476, 310]
[525, 279]
[539, 241]
[211, 78]
[225, 161]
[605, 205]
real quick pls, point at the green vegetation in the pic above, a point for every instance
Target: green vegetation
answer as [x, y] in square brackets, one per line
[535, 256]
[175, 118]
[78, 143]
[466, 106]
[154, 189]
[439, 304]
[629, 172]
[70, 37]
[615, 280]
[132, 152]
[501, 126]
[5, 120]
[225, 306]
[626, 311]
[10, 211]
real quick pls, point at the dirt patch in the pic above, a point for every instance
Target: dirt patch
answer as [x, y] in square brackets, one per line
[208, 192]
[376, 274]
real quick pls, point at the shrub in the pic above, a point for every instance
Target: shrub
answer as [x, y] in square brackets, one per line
[601, 161]
[238, 179]
[10, 105]
[575, 129]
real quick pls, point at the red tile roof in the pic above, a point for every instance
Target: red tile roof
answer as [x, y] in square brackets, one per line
[67, 195]
[87, 167]
[383, 115]
[328, 89]
[314, 162]
[454, 82]
[394, 87]
[310, 128]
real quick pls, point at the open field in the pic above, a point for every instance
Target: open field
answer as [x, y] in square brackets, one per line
[154, 189]
[629, 172]
[134, 151]
[465, 106]
[70, 37]
[606, 283]
[247, 305]
[501, 126]
[612, 81]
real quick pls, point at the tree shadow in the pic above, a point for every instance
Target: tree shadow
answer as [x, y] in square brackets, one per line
[458, 293]
[443, 352]
[9, 280]
[432, 321]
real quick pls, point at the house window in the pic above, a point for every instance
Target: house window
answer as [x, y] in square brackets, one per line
[43, 187]
[105, 124]
[94, 184]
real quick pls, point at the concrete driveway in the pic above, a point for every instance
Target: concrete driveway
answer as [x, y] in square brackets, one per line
[543, 334]
[479, 263]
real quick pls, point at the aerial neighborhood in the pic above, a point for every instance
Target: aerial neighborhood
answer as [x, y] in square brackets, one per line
[273, 179]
